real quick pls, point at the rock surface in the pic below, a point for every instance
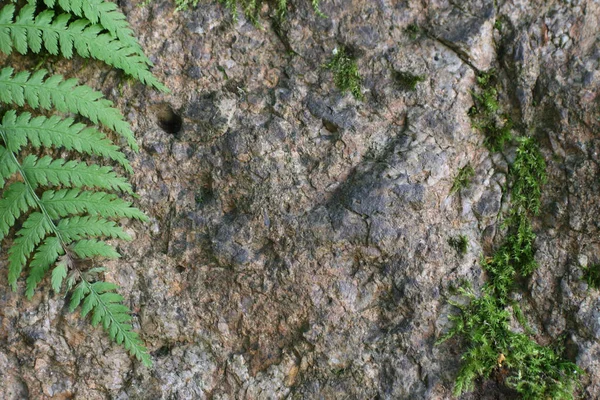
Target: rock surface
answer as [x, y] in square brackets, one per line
[298, 246]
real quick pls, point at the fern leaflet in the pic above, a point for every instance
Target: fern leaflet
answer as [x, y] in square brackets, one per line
[15, 201]
[59, 273]
[78, 227]
[90, 248]
[46, 255]
[55, 131]
[7, 166]
[107, 14]
[107, 308]
[46, 171]
[60, 35]
[65, 202]
[65, 95]
[34, 229]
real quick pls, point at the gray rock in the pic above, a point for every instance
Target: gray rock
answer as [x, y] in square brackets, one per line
[298, 243]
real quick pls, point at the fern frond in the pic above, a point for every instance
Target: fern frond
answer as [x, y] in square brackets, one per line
[45, 256]
[57, 132]
[15, 201]
[108, 308]
[77, 227]
[89, 248]
[55, 232]
[60, 35]
[34, 229]
[108, 15]
[25, 88]
[47, 171]
[66, 202]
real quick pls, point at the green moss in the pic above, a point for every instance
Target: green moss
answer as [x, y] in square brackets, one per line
[591, 275]
[535, 371]
[484, 323]
[459, 243]
[497, 134]
[484, 114]
[345, 72]
[413, 31]
[528, 173]
[498, 24]
[463, 178]
[408, 81]
[251, 8]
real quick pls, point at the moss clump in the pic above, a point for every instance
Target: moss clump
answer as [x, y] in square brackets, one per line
[484, 114]
[459, 243]
[413, 31]
[484, 323]
[251, 8]
[408, 81]
[591, 275]
[463, 178]
[345, 72]
[535, 371]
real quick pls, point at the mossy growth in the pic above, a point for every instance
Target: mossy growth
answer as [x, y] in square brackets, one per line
[413, 31]
[535, 371]
[484, 323]
[251, 8]
[497, 132]
[407, 80]
[463, 178]
[459, 243]
[498, 24]
[345, 72]
[591, 275]
[516, 257]
[484, 114]
[528, 173]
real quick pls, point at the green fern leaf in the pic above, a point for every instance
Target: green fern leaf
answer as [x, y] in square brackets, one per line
[8, 166]
[89, 248]
[46, 171]
[55, 131]
[45, 256]
[15, 201]
[65, 202]
[28, 33]
[59, 273]
[6, 17]
[65, 95]
[109, 310]
[55, 231]
[75, 228]
[34, 229]
[78, 295]
[108, 15]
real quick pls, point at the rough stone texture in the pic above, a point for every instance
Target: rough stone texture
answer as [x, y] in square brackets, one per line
[298, 243]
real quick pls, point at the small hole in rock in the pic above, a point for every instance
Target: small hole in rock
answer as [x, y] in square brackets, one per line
[167, 119]
[330, 126]
[163, 351]
[180, 269]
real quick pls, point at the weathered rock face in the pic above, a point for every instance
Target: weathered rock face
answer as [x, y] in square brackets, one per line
[299, 237]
